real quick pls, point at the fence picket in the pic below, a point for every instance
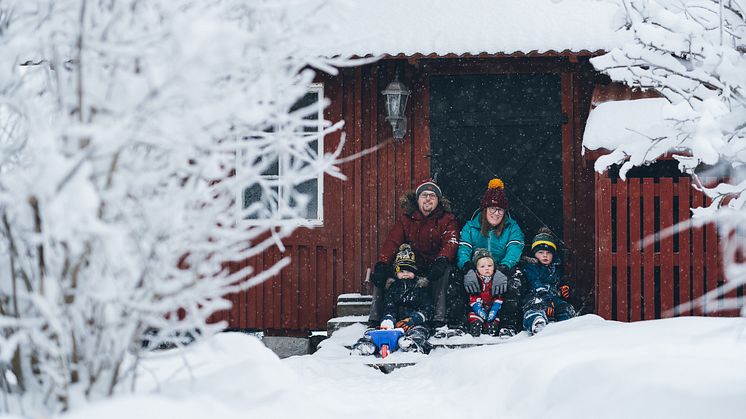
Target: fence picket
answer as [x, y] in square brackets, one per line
[685, 252]
[648, 266]
[697, 252]
[603, 239]
[635, 240]
[666, 246]
[621, 252]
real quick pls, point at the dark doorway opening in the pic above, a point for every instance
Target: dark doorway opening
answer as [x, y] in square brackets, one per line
[507, 126]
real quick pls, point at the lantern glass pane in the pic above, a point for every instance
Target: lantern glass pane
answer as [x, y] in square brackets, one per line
[403, 101]
[393, 105]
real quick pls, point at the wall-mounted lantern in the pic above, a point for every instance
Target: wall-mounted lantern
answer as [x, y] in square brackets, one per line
[396, 94]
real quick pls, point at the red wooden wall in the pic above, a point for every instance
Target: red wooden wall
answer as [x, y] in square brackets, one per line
[639, 277]
[358, 212]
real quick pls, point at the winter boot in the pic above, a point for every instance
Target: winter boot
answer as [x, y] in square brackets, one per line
[406, 343]
[456, 330]
[475, 329]
[415, 341]
[506, 332]
[363, 347]
[447, 332]
[440, 332]
[538, 324]
[491, 329]
[410, 344]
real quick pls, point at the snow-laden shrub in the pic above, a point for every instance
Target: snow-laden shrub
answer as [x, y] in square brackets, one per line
[693, 53]
[128, 130]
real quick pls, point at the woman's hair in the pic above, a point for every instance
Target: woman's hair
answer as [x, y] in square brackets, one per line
[486, 227]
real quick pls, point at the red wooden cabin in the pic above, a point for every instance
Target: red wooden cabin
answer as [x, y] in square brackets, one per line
[519, 114]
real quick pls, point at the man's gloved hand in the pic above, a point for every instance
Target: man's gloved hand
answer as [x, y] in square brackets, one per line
[381, 272]
[389, 282]
[564, 291]
[499, 283]
[422, 282]
[471, 282]
[438, 268]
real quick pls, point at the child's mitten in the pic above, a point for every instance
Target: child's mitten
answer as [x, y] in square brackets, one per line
[410, 321]
[494, 310]
[478, 309]
[387, 322]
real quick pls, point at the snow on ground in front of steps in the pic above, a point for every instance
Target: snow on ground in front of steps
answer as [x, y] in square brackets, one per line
[582, 368]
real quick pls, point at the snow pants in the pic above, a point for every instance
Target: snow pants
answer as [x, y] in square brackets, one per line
[437, 288]
[551, 308]
[458, 303]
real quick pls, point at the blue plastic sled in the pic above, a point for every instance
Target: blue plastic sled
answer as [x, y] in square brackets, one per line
[386, 340]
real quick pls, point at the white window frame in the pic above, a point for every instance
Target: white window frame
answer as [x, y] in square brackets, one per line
[317, 88]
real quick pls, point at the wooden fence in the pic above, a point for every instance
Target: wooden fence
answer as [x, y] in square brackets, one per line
[641, 274]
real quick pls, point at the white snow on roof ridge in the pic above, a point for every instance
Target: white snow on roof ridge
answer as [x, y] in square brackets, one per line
[475, 26]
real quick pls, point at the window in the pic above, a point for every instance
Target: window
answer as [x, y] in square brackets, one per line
[276, 196]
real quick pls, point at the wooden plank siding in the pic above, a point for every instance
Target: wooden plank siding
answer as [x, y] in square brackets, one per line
[672, 266]
[359, 211]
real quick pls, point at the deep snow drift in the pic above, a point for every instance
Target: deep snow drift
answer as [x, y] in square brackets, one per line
[583, 368]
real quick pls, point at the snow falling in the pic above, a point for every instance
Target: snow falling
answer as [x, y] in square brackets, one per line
[144, 144]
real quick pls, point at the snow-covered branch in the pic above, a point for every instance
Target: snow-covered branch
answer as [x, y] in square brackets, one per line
[143, 147]
[693, 52]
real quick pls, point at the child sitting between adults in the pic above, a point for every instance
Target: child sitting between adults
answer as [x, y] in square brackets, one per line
[483, 317]
[407, 304]
[548, 290]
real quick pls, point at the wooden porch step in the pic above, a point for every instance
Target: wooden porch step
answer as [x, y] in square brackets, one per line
[353, 305]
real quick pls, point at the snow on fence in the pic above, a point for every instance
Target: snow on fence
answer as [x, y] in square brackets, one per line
[640, 274]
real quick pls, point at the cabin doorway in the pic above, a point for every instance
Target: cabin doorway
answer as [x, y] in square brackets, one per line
[500, 125]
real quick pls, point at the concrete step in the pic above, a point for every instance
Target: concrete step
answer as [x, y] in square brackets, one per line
[337, 323]
[353, 305]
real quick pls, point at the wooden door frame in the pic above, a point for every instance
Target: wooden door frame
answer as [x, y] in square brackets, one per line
[562, 66]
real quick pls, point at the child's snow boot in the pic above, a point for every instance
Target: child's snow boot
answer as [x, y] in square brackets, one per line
[447, 332]
[406, 343]
[538, 324]
[415, 341]
[506, 332]
[491, 329]
[364, 347]
[475, 329]
[440, 332]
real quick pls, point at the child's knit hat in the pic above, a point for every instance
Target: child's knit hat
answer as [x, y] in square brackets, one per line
[405, 260]
[544, 240]
[494, 196]
[481, 253]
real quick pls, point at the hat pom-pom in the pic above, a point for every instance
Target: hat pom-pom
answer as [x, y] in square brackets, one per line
[544, 230]
[496, 183]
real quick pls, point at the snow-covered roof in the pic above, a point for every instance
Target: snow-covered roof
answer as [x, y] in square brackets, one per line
[440, 27]
[612, 124]
[626, 131]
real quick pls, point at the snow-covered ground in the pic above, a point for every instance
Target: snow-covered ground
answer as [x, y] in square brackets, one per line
[583, 368]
